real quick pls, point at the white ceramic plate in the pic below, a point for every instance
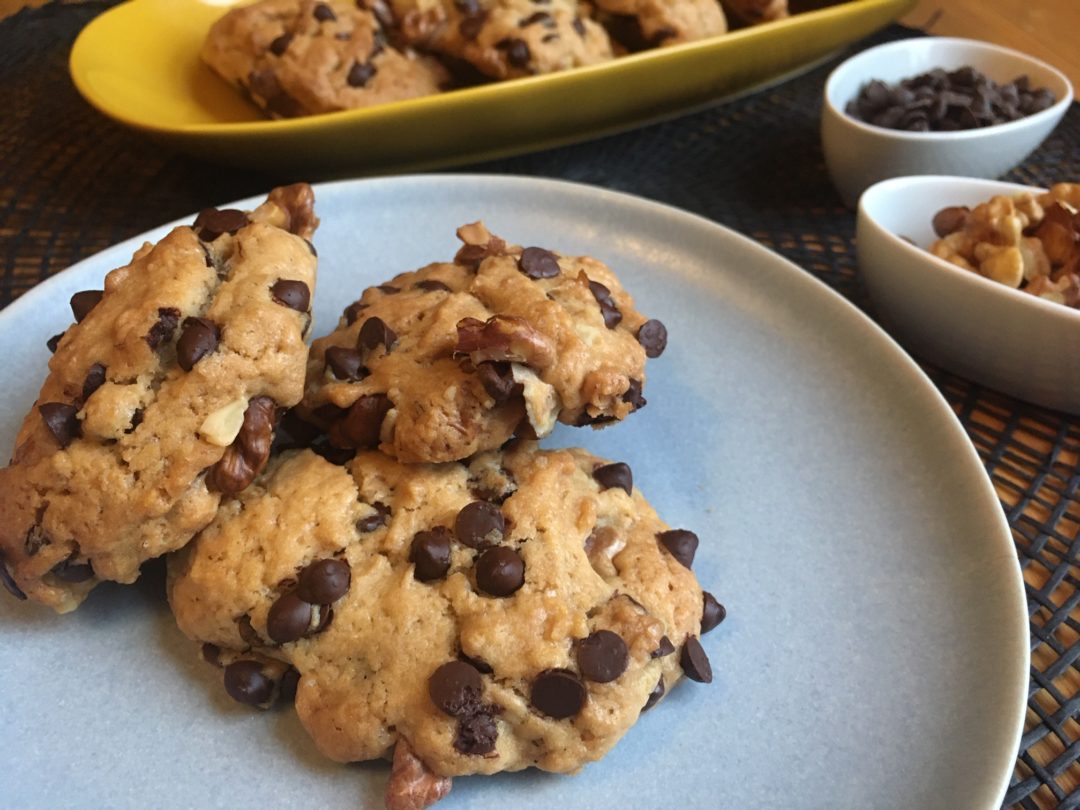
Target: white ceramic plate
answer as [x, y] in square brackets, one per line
[875, 653]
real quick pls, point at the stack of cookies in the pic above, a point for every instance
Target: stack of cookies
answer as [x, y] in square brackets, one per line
[368, 529]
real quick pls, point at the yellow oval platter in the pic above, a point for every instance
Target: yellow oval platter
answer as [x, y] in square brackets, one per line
[139, 64]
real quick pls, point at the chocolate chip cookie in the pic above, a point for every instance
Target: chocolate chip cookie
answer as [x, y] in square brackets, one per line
[505, 38]
[519, 610]
[162, 396]
[643, 24]
[454, 358]
[753, 12]
[300, 57]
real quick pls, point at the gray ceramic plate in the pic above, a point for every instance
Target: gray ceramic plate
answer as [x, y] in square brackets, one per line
[875, 653]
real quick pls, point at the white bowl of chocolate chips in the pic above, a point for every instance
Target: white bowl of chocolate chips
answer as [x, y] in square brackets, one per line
[936, 105]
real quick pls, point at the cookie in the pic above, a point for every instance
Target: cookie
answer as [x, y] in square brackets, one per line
[520, 610]
[753, 12]
[505, 38]
[452, 359]
[641, 24]
[159, 399]
[301, 57]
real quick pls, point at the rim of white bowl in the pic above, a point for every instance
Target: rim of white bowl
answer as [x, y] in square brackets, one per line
[989, 286]
[1057, 109]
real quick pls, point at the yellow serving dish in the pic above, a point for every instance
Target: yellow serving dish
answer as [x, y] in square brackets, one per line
[139, 64]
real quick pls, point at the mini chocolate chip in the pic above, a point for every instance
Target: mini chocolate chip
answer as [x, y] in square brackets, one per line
[68, 571]
[388, 289]
[455, 688]
[610, 476]
[602, 657]
[352, 312]
[324, 581]
[483, 667]
[694, 662]
[655, 695]
[430, 554]
[198, 338]
[360, 74]
[480, 524]
[608, 308]
[162, 331]
[579, 26]
[431, 285]
[212, 223]
[476, 733]
[500, 571]
[8, 581]
[633, 396]
[61, 421]
[373, 522]
[211, 654]
[290, 679]
[281, 44]
[374, 332]
[498, 380]
[664, 648]
[346, 364]
[53, 343]
[538, 263]
[517, 51]
[558, 693]
[292, 294]
[652, 335]
[248, 633]
[95, 378]
[83, 302]
[246, 683]
[681, 543]
[289, 619]
[362, 424]
[712, 613]
[323, 13]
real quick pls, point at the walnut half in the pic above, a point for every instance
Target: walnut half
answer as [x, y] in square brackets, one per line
[248, 453]
[412, 786]
[504, 338]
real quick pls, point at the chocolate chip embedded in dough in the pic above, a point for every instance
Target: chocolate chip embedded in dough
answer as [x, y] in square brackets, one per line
[632, 396]
[246, 683]
[162, 331]
[695, 664]
[360, 74]
[455, 688]
[558, 693]
[281, 44]
[361, 426]
[664, 648]
[498, 381]
[248, 633]
[500, 571]
[480, 524]
[289, 619]
[608, 308]
[198, 338]
[617, 475]
[430, 554]
[477, 733]
[95, 378]
[602, 657]
[8, 581]
[323, 582]
[655, 695]
[345, 363]
[373, 522]
[292, 294]
[682, 545]
[323, 13]
[61, 421]
[212, 223]
[374, 333]
[431, 285]
[538, 263]
[83, 302]
[289, 681]
[712, 612]
[53, 343]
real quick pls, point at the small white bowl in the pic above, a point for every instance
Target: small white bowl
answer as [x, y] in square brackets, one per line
[859, 154]
[982, 330]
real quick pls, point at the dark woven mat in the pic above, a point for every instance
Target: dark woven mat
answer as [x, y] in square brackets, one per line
[72, 183]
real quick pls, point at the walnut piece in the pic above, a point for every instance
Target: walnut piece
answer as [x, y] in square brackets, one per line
[248, 453]
[412, 786]
[504, 338]
[223, 425]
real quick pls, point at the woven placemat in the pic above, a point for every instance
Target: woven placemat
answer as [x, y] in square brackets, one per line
[73, 183]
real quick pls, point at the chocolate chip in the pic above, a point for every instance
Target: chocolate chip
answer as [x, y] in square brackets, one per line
[162, 331]
[335, 455]
[289, 619]
[329, 412]
[470, 8]
[585, 418]
[498, 380]
[374, 332]
[352, 312]
[558, 693]
[664, 648]
[681, 543]
[83, 302]
[61, 421]
[614, 475]
[388, 289]
[362, 424]
[292, 294]
[537, 17]
[951, 219]
[290, 679]
[53, 343]
[652, 335]
[311, 247]
[477, 733]
[95, 378]
[36, 537]
[68, 571]
[346, 364]
[431, 285]
[430, 554]
[360, 74]
[538, 263]
[479, 525]
[324, 581]
[373, 522]
[248, 633]
[212, 223]
[500, 571]
[455, 688]
[608, 308]
[246, 683]
[602, 657]
[712, 613]
[136, 420]
[211, 654]
[281, 44]
[633, 396]
[470, 27]
[517, 51]
[694, 662]
[198, 338]
[655, 695]
[579, 26]
[378, 44]
[8, 581]
[482, 666]
[323, 13]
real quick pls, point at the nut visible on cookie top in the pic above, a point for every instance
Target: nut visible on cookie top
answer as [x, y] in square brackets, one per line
[457, 357]
[405, 643]
[162, 396]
